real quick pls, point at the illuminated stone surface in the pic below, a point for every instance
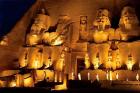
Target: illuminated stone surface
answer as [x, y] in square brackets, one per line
[85, 50]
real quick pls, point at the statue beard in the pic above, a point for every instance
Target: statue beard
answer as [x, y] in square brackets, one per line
[128, 26]
[101, 27]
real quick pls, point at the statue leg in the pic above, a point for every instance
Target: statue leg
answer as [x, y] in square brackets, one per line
[103, 53]
[135, 53]
[92, 51]
[124, 51]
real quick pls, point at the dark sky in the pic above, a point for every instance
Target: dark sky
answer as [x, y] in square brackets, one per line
[10, 12]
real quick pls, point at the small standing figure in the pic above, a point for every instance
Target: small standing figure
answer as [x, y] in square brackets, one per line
[83, 23]
[83, 28]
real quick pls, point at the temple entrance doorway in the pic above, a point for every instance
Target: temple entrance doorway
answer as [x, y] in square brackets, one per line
[80, 64]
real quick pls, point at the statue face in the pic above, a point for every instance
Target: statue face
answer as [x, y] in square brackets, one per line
[102, 17]
[83, 19]
[128, 16]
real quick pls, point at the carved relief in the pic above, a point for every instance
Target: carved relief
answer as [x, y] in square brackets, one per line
[83, 28]
[60, 35]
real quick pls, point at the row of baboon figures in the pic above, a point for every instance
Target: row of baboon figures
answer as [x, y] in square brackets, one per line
[42, 31]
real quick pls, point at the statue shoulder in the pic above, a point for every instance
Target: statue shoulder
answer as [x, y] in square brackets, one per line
[109, 30]
[118, 30]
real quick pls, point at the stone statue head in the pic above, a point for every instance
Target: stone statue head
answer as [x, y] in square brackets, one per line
[83, 19]
[63, 19]
[102, 18]
[128, 16]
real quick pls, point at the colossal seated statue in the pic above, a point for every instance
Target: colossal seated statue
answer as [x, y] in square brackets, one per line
[128, 25]
[100, 36]
[129, 32]
[102, 27]
[41, 23]
[102, 31]
[60, 35]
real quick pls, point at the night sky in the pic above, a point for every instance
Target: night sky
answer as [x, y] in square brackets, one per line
[10, 12]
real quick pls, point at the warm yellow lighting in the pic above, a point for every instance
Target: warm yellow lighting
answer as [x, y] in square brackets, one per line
[62, 86]
[137, 77]
[4, 41]
[117, 76]
[25, 62]
[107, 75]
[124, 37]
[60, 77]
[55, 77]
[66, 49]
[58, 41]
[79, 76]
[19, 80]
[88, 76]
[110, 73]
[49, 63]
[53, 38]
[12, 84]
[100, 36]
[33, 39]
[60, 64]
[97, 77]
[129, 63]
[39, 75]
[28, 82]
[4, 73]
[2, 83]
[129, 66]
[118, 64]
[72, 74]
[110, 55]
[62, 55]
[36, 63]
[87, 63]
[49, 75]
[109, 63]
[96, 63]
